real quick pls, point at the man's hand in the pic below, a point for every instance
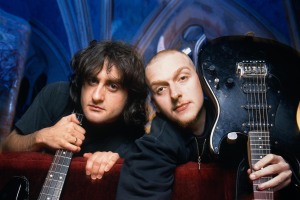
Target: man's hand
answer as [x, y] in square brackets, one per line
[99, 162]
[272, 165]
[65, 134]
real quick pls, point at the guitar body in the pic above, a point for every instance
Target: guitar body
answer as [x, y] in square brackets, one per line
[16, 189]
[253, 85]
[218, 61]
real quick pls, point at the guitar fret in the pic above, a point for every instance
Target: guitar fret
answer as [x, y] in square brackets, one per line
[260, 151]
[259, 154]
[266, 137]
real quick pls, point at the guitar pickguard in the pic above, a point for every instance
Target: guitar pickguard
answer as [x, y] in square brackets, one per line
[222, 64]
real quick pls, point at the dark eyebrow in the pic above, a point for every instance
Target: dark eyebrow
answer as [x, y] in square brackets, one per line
[158, 82]
[115, 81]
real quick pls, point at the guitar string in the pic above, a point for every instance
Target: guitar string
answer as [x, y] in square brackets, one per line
[253, 84]
[261, 112]
[57, 170]
[248, 104]
[53, 184]
[255, 128]
[262, 126]
[60, 166]
[266, 127]
[258, 117]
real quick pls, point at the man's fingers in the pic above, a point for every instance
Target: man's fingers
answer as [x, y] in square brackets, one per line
[99, 163]
[87, 155]
[73, 118]
[277, 182]
[267, 160]
[71, 147]
[113, 159]
[89, 164]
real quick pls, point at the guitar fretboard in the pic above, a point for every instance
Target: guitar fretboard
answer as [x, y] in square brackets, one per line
[254, 75]
[260, 147]
[56, 176]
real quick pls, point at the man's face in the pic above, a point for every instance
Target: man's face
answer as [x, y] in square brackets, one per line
[103, 98]
[175, 87]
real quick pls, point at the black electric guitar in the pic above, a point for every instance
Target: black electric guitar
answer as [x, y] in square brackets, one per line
[57, 173]
[251, 81]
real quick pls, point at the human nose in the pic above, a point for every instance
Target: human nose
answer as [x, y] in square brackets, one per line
[175, 92]
[99, 93]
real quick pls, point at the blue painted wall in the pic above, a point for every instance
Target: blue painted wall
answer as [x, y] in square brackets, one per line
[60, 27]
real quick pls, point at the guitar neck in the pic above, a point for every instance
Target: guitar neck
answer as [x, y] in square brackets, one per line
[56, 176]
[259, 146]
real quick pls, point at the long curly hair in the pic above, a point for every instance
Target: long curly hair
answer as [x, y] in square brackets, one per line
[125, 57]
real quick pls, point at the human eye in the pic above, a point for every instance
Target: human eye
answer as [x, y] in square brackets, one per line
[183, 78]
[92, 81]
[113, 87]
[159, 90]
[183, 75]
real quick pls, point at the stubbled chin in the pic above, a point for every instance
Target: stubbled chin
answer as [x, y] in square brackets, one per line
[186, 119]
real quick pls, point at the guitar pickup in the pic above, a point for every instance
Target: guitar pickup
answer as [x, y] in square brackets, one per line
[253, 88]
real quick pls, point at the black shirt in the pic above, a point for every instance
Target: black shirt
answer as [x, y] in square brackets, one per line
[148, 171]
[54, 102]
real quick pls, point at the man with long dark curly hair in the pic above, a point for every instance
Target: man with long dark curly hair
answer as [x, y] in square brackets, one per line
[108, 88]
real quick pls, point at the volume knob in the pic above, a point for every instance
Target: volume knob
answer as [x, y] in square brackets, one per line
[212, 70]
[229, 83]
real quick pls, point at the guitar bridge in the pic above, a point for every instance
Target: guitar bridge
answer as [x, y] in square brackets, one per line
[253, 68]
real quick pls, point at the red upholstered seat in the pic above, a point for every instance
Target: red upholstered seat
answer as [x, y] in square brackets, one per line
[211, 182]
